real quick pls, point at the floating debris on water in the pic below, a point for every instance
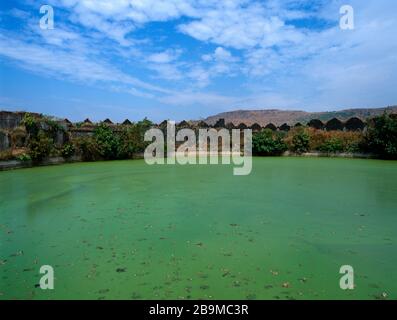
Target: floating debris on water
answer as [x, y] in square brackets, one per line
[226, 272]
[382, 296]
[286, 285]
[121, 270]
[136, 296]
[18, 253]
[303, 280]
[102, 291]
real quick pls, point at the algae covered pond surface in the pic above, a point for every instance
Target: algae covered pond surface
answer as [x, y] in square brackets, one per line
[126, 230]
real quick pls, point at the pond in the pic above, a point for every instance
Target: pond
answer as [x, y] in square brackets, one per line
[126, 230]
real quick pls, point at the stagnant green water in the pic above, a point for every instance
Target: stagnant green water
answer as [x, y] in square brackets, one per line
[126, 230]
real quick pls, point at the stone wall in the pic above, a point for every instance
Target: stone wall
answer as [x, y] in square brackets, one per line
[4, 141]
[10, 120]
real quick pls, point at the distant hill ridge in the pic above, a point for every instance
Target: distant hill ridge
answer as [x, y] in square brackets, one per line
[279, 117]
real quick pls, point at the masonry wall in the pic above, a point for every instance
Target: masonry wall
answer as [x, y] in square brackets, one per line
[10, 120]
[4, 141]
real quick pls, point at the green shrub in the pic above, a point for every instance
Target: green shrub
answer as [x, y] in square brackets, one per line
[24, 157]
[132, 138]
[31, 124]
[87, 148]
[381, 137]
[68, 150]
[333, 145]
[131, 142]
[18, 137]
[40, 147]
[267, 143]
[52, 127]
[108, 142]
[300, 142]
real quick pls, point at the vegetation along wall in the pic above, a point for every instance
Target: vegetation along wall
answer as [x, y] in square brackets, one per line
[35, 138]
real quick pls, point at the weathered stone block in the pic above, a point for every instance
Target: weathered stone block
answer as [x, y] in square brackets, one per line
[4, 141]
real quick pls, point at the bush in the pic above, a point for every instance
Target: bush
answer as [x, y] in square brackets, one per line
[335, 141]
[24, 157]
[31, 124]
[40, 146]
[267, 143]
[108, 143]
[18, 137]
[52, 127]
[300, 141]
[131, 142]
[68, 150]
[381, 137]
[87, 148]
[332, 145]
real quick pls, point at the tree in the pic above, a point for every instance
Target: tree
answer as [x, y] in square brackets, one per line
[301, 142]
[131, 141]
[381, 137]
[40, 146]
[267, 143]
[108, 142]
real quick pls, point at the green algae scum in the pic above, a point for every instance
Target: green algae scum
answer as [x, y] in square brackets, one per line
[126, 230]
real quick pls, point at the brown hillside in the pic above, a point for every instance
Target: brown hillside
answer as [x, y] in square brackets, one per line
[279, 117]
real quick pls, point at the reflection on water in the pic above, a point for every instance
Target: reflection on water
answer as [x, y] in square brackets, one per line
[127, 230]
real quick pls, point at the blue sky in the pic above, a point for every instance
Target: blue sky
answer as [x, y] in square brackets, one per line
[185, 59]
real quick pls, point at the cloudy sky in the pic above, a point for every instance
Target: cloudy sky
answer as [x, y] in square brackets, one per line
[187, 59]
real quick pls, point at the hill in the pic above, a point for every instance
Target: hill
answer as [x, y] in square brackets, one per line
[279, 117]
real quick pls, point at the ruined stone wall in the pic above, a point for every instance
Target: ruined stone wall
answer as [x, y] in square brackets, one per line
[11, 120]
[4, 141]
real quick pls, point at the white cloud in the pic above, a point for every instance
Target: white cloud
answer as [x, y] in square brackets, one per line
[240, 25]
[164, 57]
[253, 40]
[72, 65]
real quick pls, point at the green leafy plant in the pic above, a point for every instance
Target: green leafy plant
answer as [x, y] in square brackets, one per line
[68, 150]
[333, 145]
[24, 157]
[381, 137]
[31, 124]
[40, 147]
[87, 148]
[267, 143]
[108, 142]
[300, 141]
